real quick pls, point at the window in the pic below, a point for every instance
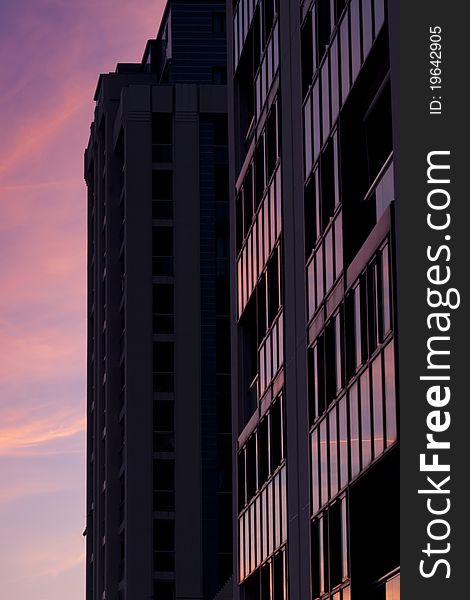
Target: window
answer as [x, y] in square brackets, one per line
[219, 75]
[377, 404]
[163, 485]
[163, 308]
[162, 137]
[307, 52]
[163, 366]
[276, 434]
[366, 433]
[162, 184]
[329, 556]
[164, 590]
[218, 22]
[163, 426]
[164, 545]
[162, 250]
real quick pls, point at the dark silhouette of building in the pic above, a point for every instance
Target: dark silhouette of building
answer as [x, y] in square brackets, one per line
[159, 518]
[313, 243]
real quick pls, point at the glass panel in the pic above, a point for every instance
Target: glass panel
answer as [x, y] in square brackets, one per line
[254, 235]
[316, 176]
[259, 221]
[325, 97]
[358, 325]
[277, 510]
[386, 290]
[377, 403]
[246, 518]
[322, 552]
[365, 420]
[311, 289]
[323, 463]
[249, 247]
[235, 38]
[314, 39]
[345, 65]
[366, 27]
[308, 136]
[272, 214]
[339, 244]
[354, 430]
[264, 524]
[276, 48]
[267, 245]
[278, 202]
[346, 594]
[316, 119]
[390, 400]
[333, 453]
[339, 353]
[269, 371]
[258, 528]
[336, 169]
[270, 520]
[284, 504]
[355, 38]
[319, 274]
[262, 369]
[252, 537]
[334, 80]
[379, 12]
[329, 268]
[344, 535]
[258, 93]
[392, 589]
[343, 442]
[241, 548]
[274, 345]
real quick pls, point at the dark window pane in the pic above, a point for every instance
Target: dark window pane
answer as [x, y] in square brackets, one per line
[162, 241]
[162, 128]
[324, 25]
[163, 357]
[315, 558]
[164, 474]
[307, 54]
[335, 544]
[164, 590]
[162, 185]
[218, 22]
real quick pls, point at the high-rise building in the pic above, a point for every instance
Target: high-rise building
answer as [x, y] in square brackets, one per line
[159, 518]
[313, 245]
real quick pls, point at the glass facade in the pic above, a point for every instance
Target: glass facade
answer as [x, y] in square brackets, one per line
[342, 240]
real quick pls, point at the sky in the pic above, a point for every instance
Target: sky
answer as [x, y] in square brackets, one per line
[52, 53]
